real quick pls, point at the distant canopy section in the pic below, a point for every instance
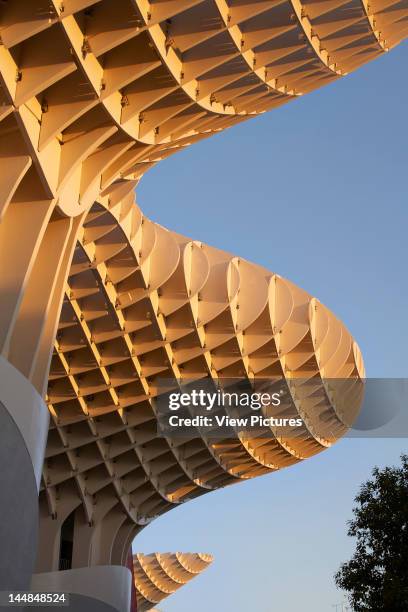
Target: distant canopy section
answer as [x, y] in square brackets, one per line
[159, 575]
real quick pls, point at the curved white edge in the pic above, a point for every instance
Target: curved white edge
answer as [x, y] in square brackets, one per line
[108, 583]
[28, 410]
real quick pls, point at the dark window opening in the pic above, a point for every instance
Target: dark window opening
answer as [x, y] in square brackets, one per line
[67, 542]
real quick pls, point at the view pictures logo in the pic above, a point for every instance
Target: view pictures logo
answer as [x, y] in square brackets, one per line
[223, 399]
[226, 408]
[222, 412]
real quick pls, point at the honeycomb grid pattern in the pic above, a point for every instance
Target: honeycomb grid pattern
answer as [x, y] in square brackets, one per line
[131, 82]
[127, 84]
[159, 575]
[143, 304]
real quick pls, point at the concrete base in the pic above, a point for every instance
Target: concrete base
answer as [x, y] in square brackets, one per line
[24, 422]
[102, 588]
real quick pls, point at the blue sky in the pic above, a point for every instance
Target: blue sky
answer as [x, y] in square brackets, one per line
[317, 192]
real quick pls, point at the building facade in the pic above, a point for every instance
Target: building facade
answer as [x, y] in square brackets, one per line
[99, 303]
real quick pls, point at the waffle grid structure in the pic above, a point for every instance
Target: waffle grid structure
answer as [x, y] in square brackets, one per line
[92, 94]
[144, 304]
[127, 84]
[159, 575]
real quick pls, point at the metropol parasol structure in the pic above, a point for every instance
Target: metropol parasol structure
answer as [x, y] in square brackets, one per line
[98, 303]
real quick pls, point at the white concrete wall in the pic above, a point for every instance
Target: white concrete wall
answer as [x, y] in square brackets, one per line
[24, 422]
[108, 584]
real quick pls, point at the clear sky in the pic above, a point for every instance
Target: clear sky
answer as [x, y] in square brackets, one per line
[317, 192]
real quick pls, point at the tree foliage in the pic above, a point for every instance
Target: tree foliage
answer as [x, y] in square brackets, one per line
[376, 577]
